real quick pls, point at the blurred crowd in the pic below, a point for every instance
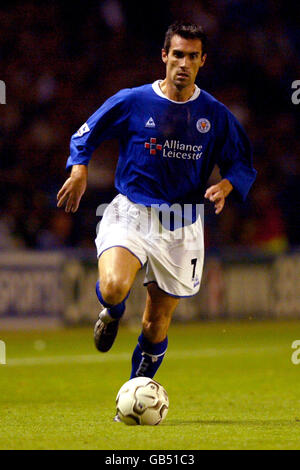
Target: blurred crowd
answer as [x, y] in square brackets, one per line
[60, 61]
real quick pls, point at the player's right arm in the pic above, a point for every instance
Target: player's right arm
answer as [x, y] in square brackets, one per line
[73, 189]
[109, 121]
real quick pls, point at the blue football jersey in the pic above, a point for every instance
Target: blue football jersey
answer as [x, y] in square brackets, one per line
[168, 149]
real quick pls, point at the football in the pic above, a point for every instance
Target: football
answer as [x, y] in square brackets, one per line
[142, 401]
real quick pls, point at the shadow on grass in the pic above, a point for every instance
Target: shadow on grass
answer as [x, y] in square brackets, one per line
[248, 422]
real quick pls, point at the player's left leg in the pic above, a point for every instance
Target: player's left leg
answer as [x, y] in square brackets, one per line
[153, 341]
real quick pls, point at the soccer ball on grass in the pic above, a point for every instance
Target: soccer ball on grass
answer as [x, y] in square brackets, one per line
[142, 401]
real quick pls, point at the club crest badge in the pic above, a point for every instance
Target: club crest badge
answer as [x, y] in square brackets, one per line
[203, 125]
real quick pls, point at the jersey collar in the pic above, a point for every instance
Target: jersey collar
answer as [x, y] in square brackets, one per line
[157, 89]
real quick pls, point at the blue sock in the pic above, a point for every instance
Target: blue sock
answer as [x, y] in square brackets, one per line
[147, 357]
[115, 311]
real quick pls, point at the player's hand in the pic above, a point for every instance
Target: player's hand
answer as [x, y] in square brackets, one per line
[217, 194]
[73, 189]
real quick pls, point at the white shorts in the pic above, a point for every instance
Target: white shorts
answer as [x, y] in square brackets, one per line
[174, 258]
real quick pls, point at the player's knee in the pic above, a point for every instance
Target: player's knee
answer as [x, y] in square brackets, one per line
[114, 290]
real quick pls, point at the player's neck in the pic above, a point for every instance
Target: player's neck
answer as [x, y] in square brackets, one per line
[175, 94]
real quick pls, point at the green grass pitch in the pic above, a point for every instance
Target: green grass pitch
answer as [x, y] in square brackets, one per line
[230, 385]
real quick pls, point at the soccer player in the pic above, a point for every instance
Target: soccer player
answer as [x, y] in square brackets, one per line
[171, 135]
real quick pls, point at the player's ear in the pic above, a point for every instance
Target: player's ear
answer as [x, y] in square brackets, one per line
[203, 59]
[164, 56]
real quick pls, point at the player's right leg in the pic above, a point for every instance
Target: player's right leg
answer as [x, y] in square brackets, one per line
[117, 270]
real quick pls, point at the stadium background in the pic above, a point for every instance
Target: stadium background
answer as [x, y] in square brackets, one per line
[233, 383]
[59, 63]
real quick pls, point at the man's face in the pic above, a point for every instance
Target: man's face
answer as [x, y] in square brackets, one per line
[183, 60]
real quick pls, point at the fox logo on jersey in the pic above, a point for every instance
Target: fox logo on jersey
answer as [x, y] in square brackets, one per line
[203, 125]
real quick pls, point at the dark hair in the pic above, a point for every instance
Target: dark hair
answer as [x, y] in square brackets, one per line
[187, 31]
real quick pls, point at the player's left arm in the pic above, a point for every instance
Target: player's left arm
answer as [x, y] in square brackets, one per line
[234, 159]
[218, 193]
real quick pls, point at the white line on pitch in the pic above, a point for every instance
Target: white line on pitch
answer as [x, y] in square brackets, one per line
[94, 358]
